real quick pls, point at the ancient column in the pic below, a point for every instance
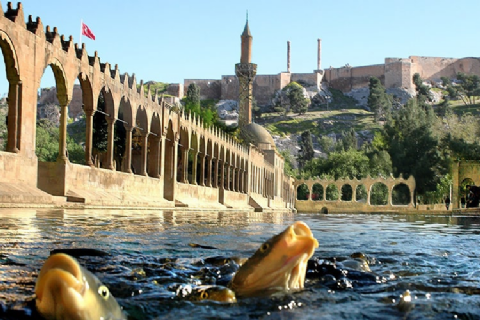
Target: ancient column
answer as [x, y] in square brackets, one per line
[154, 163]
[319, 54]
[209, 171]
[110, 144]
[14, 103]
[184, 178]
[215, 173]
[194, 167]
[161, 159]
[62, 144]
[222, 176]
[89, 137]
[143, 165]
[202, 169]
[288, 56]
[128, 148]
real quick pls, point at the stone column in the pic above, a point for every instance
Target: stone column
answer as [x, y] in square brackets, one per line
[228, 177]
[62, 144]
[128, 148]
[143, 165]
[209, 171]
[14, 103]
[319, 54]
[215, 173]
[202, 169]
[110, 145]
[234, 180]
[194, 167]
[161, 160]
[222, 176]
[184, 177]
[288, 56]
[155, 154]
[88, 137]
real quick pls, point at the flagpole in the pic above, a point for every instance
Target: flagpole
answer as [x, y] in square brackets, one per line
[81, 29]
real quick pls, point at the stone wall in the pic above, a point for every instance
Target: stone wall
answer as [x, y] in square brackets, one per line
[209, 88]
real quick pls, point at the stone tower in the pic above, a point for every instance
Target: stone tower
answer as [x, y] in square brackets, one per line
[245, 71]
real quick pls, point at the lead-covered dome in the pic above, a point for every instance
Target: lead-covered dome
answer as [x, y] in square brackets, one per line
[258, 136]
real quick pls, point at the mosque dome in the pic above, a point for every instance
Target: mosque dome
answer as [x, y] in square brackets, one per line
[258, 136]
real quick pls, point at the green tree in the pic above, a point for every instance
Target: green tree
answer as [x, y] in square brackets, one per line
[192, 99]
[306, 152]
[378, 100]
[413, 147]
[423, 91]
[349, 140]
[467, 89]
[297, 100]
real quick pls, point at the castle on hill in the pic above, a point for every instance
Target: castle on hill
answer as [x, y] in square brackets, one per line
[394, 73]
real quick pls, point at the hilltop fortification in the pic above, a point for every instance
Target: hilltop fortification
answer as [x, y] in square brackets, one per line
[394, 73]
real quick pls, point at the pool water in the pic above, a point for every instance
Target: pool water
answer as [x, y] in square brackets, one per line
[154, 256]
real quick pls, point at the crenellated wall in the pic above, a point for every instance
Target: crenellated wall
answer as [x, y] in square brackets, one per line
[168, 155]
[394, 73]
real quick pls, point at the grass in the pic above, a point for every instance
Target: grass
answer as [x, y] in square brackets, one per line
[319, 122]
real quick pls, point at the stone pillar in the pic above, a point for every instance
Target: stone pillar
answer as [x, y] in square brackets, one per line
[288, 56]
[62, 144]
[161, 159]
[354, 193]
[128, 148]
[222, 175]
[319, 65]
[228, 177]
[14, 103]
[184, 177]
[209, 171]
[154, 164]
[215, 174]
[234, 180]
[110, 145]
[143, 165]
[194, 167]
[88, 137]
[203, 167]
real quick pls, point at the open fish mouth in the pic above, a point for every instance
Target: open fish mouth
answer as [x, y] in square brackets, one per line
[279, 265]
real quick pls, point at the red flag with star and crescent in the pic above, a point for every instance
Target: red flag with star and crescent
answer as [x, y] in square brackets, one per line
[87, 32]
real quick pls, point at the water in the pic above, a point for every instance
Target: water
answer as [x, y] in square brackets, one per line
[436, 258]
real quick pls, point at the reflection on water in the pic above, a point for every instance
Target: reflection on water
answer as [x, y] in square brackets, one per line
[435, 257]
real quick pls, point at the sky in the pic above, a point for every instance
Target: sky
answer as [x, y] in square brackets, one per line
[170, 41]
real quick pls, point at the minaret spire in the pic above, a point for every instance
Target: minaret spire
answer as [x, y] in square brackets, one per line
[245, 71]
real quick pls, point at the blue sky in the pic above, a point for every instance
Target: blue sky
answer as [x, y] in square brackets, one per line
[170, 41]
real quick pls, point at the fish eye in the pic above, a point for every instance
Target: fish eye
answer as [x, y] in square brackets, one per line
[103, 292]
[264, 247]
[204, 295]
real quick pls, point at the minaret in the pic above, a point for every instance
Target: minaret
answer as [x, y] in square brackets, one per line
[245, 71]
[319, 54]
[288, 56]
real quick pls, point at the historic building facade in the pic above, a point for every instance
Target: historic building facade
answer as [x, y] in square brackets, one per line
[171, 159]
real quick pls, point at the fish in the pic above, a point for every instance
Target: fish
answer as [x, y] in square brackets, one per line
[280, 264]
[66, 290]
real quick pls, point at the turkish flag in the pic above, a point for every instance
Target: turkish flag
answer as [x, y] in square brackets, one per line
[87, 32]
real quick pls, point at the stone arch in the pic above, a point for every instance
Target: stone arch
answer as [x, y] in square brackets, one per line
[14, 127]
[401, 194]
[346, 192]
[154, 141]
[332, 192]
[123, 136]
[379, 194]
[317, 192]
[303, 192]
[140, 142]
